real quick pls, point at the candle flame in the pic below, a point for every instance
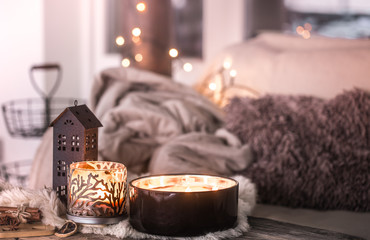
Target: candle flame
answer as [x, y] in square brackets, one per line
[205, 180]
[188, 189]
[161, 181]
[214, 188]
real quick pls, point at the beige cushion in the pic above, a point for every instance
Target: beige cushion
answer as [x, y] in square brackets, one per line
[287, 64]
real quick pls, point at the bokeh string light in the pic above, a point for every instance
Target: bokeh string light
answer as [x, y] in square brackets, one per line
[173, 52]
[138, 57]
[218, 83]
[141, 6]
[126, 62]
[120, 41]
[137, 37]
[304, 31]
[136, 32]
[187, 67]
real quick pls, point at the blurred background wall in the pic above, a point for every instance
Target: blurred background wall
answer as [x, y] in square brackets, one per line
[74, 34]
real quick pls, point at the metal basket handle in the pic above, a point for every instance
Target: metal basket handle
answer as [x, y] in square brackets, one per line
[44, 95]
[46, 67]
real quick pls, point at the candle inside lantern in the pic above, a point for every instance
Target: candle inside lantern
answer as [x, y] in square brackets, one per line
[96, 192]
[183, 205]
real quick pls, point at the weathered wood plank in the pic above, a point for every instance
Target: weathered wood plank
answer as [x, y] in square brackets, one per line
[261, 229]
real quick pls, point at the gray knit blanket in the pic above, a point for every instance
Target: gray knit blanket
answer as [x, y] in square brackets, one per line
[154, 124]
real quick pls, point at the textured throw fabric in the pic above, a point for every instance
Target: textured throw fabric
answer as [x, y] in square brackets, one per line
[150, 120]
[203, 153]
[308, 152]
[44, 199]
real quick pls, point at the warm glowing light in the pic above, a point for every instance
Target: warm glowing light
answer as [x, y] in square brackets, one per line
[136, 39]
[212, 86]
[299, 30]
[138, 57]
[125, 62]
[233, 73]
[205, 180]
[136, 32]
[161, 181]
[100, 195]
[141, 7]
[187, 67]
[120, 41]
[308, 26]
[306, 34]
[173, 52]
[227, 63]
[183, 183]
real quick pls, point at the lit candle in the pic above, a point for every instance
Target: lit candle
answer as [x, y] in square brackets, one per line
[184, 183]
[96, 192]
[183, 205]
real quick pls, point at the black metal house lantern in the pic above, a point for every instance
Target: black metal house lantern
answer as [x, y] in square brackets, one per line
[75, 139]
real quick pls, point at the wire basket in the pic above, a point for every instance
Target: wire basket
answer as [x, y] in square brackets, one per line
[31, 117]
[16, 173]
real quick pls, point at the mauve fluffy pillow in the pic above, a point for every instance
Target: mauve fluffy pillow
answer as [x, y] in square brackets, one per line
[308, 152]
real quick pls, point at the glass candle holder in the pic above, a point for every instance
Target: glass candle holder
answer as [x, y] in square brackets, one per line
[96, 192]
[183, 204]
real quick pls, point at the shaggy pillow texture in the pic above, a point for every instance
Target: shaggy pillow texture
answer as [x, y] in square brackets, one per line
[308, 152]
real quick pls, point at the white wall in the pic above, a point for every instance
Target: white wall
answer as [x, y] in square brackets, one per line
[67, 32]
[72, 33]
[223, 25]
[75, 37]
[21, 45]
[63, 43]
[100, 59]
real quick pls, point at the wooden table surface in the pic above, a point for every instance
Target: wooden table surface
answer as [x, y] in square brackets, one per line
[260, 229]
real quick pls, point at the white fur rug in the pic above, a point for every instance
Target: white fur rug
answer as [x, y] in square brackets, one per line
[52, 209]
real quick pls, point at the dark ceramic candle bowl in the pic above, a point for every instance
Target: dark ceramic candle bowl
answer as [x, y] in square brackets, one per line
[183, 204]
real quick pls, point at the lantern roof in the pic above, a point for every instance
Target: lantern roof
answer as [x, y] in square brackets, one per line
[83, 114]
